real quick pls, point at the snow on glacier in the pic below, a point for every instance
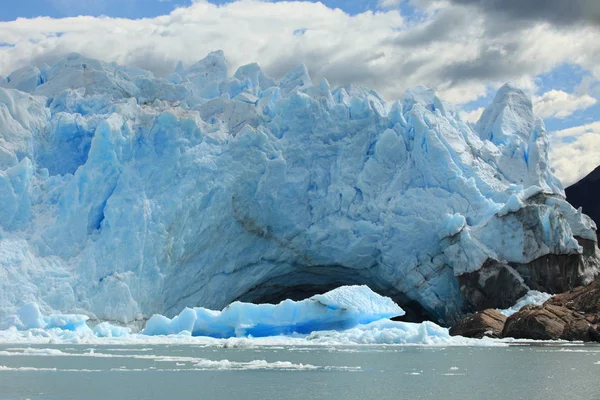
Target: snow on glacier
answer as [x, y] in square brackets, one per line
[339, 309]
[533, 297]
[123, 195]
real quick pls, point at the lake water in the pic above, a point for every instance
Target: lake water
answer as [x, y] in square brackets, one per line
[365, 372]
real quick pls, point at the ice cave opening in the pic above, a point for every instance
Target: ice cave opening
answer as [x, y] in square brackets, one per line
[306, 282]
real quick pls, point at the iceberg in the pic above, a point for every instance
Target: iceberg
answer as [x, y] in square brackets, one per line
[339, 309]
[124, 195]
[346, 316]
[29, 317]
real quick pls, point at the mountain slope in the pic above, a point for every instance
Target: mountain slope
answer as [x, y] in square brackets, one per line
[586, 194]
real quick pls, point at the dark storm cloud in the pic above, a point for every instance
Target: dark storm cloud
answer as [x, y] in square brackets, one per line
[500, 63]
[445, 26]
[557, 12]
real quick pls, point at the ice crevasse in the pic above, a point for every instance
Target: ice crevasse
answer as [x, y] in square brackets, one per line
[124, 195]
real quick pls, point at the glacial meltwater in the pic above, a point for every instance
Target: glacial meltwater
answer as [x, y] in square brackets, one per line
[90, 372]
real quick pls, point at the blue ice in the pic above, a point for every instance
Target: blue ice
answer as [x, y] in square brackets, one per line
[339, 309]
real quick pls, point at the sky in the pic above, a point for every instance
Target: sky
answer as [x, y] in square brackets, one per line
[463, 49]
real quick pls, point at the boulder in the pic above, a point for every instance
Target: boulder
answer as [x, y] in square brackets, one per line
[573, 315]
[584, 299]
[487, 323]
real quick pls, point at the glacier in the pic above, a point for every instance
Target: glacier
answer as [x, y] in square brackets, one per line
[124, 195]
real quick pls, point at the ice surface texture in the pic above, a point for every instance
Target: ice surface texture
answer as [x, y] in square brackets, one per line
[123, 194]
[340, 309]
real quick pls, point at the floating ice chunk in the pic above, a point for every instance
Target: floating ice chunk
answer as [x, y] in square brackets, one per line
[394, 332]
[342, 308]
[105, 329]
[29, 316]
[67, 322]
[161, 325]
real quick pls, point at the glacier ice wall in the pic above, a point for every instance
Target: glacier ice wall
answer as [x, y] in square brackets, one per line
[123, 194]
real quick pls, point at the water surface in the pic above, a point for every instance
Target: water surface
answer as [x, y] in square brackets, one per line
[362, 372]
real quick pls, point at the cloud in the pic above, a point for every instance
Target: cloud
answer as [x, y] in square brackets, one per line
[575, 152]
[450, 49]
[559, 12]
[559, 104]
[577, 131]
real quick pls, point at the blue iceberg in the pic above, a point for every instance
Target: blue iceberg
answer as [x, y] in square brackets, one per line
[29, 317]
[339, 309]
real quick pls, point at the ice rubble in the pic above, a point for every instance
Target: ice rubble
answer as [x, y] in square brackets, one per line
[123, 194]
[349, 315]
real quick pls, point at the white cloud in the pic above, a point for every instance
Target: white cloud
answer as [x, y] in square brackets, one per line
[472, 116]
[575, 152]
[577, 131]
[451, 51]
[559, 104]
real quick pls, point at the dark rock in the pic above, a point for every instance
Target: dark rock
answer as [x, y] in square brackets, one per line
[559, 273]
[556, 273]
[500, 285]
[487, 323]
[573, 315]
[495, 285]
[584, 299]
[547, 322]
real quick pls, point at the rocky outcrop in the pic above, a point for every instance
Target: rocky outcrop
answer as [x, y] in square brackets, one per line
[547, 322]
[487, 323]
[539, 260]
[500, 284]
[495, 285]
[573, 315]
[559, 273]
